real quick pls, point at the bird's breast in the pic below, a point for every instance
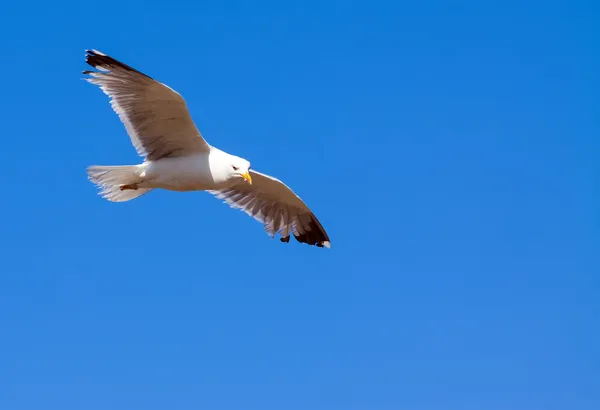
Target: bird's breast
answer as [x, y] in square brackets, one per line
[189, 173]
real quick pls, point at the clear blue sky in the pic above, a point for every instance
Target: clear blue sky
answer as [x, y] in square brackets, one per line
[449, 149]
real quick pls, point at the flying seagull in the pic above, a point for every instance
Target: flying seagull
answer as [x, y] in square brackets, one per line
[177, 158]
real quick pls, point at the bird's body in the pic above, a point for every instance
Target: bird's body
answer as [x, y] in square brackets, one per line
[183, 174]
[177, 158]
[196, 172]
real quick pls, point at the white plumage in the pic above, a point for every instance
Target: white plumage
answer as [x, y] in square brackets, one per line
[177, 158]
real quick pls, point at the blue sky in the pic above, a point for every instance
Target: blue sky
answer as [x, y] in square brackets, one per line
[450, 149]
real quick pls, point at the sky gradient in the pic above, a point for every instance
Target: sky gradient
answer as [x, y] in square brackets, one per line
[450, 150]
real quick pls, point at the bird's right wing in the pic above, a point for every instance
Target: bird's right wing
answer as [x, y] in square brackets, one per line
[271, 202]
[155, 116]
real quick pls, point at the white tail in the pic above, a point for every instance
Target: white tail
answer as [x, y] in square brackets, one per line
[109, 180]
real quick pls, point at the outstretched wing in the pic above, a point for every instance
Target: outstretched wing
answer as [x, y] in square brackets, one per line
[155, 116]
[271, 202]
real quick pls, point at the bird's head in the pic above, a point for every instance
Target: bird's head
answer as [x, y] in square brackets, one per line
[240, 168]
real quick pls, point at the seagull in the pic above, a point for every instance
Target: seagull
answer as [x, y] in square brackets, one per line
[176, 157]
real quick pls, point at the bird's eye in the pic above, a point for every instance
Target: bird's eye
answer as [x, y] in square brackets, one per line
[235, 168]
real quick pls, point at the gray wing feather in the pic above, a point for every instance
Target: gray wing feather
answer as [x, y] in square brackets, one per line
[155, 116]
[277, 207]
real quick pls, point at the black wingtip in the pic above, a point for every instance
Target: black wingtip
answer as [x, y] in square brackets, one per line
[100, 60]
[91, 55]
[316, 236]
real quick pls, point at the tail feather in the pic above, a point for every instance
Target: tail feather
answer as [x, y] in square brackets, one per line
[110, 179]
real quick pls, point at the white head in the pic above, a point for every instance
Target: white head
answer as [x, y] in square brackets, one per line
[227, 168]
[240, 168]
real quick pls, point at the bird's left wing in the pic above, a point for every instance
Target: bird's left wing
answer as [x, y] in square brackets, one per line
[155, 116]
[271, 202]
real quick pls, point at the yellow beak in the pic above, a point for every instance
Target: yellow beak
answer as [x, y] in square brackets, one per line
[247, 177]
